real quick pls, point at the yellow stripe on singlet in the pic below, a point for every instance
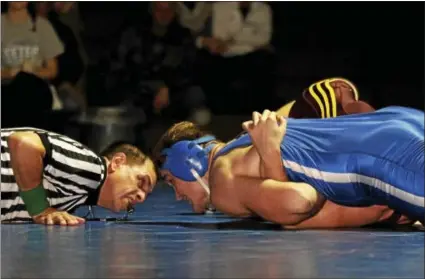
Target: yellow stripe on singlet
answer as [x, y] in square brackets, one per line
[328, 108]
[325, 98]
[333, 98]
[317, 99]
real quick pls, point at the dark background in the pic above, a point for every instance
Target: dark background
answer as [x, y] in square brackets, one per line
[377, 45]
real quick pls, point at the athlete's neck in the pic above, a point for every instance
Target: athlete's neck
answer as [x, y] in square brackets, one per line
[95, 197]
[218, 146]
[201, 180]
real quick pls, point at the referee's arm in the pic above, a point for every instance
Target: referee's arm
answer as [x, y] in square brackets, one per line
[26, 155]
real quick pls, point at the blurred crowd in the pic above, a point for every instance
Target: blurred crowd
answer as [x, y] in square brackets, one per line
[166, 61]
[169, 60]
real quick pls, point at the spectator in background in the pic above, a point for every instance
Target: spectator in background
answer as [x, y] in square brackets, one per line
[152, 67]
[70, 62]
[69, 14]
[237, 50]
[30, 48]
[194, 15]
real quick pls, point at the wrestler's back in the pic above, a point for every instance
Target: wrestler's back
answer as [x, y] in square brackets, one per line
[368, 147]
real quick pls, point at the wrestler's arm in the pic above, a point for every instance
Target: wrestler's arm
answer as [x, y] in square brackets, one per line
[271, 165]
[286, 203]
[333, 216]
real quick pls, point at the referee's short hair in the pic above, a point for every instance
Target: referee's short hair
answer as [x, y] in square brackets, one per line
[134, 155]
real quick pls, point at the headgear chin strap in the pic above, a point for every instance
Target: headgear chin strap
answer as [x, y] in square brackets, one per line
[183, 156]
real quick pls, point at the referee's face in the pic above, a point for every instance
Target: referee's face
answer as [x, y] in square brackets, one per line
[127, 185]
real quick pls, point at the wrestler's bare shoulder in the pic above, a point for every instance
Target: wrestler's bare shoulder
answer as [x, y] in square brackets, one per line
[224, 193]
[242, 161]
[221, 174]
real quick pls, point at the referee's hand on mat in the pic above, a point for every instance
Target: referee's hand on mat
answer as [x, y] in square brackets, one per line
[52, 216]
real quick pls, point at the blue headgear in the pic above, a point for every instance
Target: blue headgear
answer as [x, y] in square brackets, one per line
[186, 155]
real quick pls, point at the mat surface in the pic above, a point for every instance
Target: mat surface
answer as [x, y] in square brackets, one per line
[164, 240]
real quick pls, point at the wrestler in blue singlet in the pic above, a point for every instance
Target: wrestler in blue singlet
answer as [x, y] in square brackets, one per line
[358, 160]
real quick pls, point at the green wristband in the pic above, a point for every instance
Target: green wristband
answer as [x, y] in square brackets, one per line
[35, 200]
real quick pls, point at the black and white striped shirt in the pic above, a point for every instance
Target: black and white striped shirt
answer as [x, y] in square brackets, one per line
[72, 173]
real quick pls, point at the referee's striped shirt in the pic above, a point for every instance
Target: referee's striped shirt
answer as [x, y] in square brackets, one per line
[72, 175]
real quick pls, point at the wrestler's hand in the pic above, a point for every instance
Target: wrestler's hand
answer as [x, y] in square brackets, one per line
[266, 131]
[52, 216]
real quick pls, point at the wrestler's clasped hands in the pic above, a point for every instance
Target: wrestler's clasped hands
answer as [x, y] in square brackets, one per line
[266, 130]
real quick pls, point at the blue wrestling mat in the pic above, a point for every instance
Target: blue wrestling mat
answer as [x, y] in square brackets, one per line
[165, 240]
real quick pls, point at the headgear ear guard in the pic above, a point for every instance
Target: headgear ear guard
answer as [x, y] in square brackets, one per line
[183, 156]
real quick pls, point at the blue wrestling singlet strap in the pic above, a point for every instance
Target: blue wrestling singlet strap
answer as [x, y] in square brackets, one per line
[242, 140]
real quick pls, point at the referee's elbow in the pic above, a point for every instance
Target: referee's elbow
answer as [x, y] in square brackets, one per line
[23, 142]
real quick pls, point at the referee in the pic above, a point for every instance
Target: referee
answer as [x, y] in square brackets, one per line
[45, 176]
